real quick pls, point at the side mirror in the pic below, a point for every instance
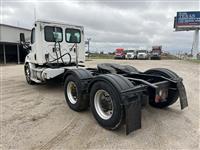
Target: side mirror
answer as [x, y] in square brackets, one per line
[57, 36]
[22, 38]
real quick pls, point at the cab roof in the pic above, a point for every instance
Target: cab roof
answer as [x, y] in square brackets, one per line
[55, 22]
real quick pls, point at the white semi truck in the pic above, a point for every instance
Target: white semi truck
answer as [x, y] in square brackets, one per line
[142, 54]
[114, 93]
[131, 54]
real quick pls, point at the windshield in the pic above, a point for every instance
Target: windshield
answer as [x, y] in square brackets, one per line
[142, 51]
[119, 49]
[156, 51]
[130, 51]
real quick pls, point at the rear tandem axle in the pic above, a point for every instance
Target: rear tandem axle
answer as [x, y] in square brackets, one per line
[127, 87]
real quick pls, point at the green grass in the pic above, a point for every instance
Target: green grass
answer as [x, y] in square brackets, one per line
[193, 61]
[101, 56]
[169, 57]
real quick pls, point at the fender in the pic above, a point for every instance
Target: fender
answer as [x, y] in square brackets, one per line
[119, 82]
[83, 75]
[175, 79]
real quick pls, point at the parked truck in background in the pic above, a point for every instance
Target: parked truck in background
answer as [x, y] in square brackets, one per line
[131, 54]
[156, 52]
[142, 54]
[120, 53]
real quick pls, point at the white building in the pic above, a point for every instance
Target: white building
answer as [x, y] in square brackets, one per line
[10, 48]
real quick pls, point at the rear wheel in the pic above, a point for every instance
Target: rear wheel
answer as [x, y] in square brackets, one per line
[130, 68]
[165, 97]
[105, 105]
[74, 95]
[27, 72]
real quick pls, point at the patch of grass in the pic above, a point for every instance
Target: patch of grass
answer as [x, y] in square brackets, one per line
[169, 56]
[193, 60]
[102, 56]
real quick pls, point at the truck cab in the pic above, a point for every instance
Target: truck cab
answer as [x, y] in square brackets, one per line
[131, 54]
[43, 48]
[53, 47]
[119, 53]
[142, 54]
[156, 52]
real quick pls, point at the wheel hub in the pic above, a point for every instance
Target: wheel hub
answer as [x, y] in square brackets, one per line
[72, 92]
[161, 96]
[103, 104]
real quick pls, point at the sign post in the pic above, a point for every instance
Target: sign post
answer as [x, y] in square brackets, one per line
[196, 43]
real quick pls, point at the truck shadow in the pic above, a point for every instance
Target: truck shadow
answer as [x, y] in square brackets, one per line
[149, 117]
[53, 84]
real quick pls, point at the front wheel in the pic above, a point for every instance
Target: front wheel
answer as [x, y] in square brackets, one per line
[105, 105]
[27, 73]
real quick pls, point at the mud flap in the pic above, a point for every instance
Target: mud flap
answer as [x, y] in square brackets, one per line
[182, 94]
[133, 115]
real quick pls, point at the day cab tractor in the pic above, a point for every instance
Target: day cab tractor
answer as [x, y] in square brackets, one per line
[119, 53]
[131, 54]
[115, 93]
[142, 54]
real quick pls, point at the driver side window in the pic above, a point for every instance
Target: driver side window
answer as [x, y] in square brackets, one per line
[33, 36]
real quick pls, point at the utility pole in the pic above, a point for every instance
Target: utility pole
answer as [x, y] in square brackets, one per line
[88, 41]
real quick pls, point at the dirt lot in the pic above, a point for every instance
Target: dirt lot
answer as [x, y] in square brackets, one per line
[37, 117]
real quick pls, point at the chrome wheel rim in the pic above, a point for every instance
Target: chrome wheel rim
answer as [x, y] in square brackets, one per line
[72, 92]
[27, 71]
[103, 104]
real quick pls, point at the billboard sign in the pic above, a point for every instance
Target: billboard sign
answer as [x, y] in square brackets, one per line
[187, 20]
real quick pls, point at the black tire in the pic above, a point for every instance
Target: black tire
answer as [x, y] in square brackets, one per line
[82, 101]
[116, 119]
[27, 73]
[130, 68]
[172, 94]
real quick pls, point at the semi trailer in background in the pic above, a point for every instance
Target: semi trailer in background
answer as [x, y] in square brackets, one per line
[156, 52]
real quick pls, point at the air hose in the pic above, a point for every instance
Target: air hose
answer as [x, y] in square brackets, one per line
[58, 57]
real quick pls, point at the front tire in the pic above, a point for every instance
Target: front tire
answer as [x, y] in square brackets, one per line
[27, 73]
[76, 99]
[105, 105]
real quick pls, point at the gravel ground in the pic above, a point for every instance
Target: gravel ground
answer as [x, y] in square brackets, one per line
[37, 117]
